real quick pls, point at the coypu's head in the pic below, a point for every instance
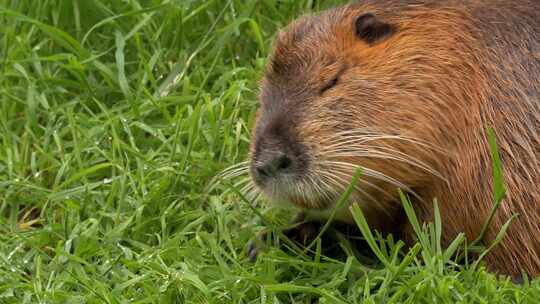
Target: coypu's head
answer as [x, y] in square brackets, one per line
[332, 100]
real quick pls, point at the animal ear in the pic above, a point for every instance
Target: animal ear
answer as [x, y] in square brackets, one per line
[371, 28]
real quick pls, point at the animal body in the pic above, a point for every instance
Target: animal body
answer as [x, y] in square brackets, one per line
[405, 90]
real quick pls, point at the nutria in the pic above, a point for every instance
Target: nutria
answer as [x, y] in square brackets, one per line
[405, 90]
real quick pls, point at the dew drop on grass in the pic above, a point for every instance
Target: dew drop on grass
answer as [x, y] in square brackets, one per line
[10, 255]
[225, 295]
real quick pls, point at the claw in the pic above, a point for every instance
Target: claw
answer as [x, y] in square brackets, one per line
[252, 251]
[253, 247]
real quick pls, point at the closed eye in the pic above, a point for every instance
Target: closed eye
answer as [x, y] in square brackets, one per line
[332, 83]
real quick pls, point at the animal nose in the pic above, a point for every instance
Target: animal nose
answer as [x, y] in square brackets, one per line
[274, 166]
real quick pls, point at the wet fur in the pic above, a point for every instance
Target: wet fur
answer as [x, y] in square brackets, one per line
[450, 69]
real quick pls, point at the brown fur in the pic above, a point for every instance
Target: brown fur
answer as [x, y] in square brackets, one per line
[451, 69]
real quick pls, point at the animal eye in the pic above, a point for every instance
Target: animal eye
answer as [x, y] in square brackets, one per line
[330, 84]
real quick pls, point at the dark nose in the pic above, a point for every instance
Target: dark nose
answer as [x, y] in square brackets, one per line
[273, 166]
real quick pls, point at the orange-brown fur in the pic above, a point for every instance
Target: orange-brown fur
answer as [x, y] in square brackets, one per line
[448, 72]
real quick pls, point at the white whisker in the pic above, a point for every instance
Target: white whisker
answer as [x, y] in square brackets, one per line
[367, 135]
[375, 174]
[372, 152]
[230, 173]
[345, 183]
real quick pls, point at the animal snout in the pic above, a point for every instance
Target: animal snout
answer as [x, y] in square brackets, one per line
[273, 166]
[277, 156]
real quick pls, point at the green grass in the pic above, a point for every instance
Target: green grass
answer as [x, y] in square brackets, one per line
[115, 115]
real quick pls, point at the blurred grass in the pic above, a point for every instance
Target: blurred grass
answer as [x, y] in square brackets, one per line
[114, 116]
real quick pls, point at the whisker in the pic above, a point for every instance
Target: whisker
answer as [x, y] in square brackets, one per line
[253, 195]
[256, 197]
[369, 134]
[244, 164]
[344, 183]
[366, 139]
[234, 173]
[314, 183]
[247, 187]
[328, 192]
[369, 152]
[381, 190]
[239, 185]
[230, 172]
[303, 191]
[374, 174]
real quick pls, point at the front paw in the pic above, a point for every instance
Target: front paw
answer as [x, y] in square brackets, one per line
[256, 245]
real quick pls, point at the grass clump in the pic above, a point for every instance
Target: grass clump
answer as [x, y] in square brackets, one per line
[114, 115]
